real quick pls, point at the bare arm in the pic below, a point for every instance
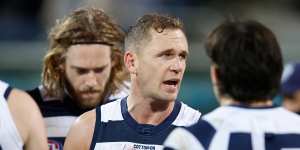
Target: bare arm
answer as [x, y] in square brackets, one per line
[28, 120]
[81, 133]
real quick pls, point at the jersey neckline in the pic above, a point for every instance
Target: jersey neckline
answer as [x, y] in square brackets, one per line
[257, 107]
[148, 129]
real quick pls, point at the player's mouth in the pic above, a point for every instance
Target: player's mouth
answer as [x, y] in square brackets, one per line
[89, 94]
[171, 85]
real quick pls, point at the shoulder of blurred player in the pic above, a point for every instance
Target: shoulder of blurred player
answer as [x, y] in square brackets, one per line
[28, 120]
[81, 133]
[182, 139]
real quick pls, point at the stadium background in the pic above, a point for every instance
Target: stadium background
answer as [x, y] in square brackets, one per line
[24, 26]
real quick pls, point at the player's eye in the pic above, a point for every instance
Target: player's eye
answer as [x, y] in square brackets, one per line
[183, 56]
[99, 70]
[81, 71]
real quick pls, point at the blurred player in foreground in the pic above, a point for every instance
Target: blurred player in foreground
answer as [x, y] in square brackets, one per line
[245, 71]
[21, 124]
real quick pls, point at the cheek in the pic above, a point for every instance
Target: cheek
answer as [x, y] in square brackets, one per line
[75, 80]
[151, 72]
[103, 78]
[183, 69]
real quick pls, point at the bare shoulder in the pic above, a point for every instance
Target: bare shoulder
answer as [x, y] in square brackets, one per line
[86, 118]
[81, 133]
[85, 122]
[22, 108]
[28, 120]
[20, 99]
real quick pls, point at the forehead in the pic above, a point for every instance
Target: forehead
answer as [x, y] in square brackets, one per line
[169, 39]
[88, 54]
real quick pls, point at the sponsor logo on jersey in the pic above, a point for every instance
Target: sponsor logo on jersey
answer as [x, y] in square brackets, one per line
[143, 147]
[54, 145]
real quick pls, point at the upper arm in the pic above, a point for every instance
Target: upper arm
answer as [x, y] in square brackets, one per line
[81, 133]
[28, 120]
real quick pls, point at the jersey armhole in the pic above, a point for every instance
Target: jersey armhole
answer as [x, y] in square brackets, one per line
[97, 124]
[37, 96]
[7, 92]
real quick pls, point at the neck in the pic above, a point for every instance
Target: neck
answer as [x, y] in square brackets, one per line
[147, 110]
[291, 105]
[258, 103]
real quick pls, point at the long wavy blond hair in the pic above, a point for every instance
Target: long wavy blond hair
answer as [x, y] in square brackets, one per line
[83, 26]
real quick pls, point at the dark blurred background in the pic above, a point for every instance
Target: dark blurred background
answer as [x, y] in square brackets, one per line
[24, 26]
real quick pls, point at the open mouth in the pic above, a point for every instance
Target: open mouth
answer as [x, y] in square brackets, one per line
[172, 82]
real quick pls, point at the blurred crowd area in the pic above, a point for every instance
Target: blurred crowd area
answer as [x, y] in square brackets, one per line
[24, 26]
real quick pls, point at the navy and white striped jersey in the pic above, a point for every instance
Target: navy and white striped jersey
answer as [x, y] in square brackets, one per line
[240, 128]
[60, 113]
[116, 129]
[10, 138]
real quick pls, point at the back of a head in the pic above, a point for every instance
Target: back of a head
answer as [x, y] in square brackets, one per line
[83, 26]
[248, 60]
[139, 34]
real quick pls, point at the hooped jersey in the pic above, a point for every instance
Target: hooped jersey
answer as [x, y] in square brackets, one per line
[116, 129]
[240, 128]
[60, 113]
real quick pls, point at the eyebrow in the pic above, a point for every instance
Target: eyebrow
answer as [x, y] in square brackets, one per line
[170, 50]
[84, 68]
[186, 52]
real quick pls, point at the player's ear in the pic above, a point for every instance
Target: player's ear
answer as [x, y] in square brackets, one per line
[130, 61]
